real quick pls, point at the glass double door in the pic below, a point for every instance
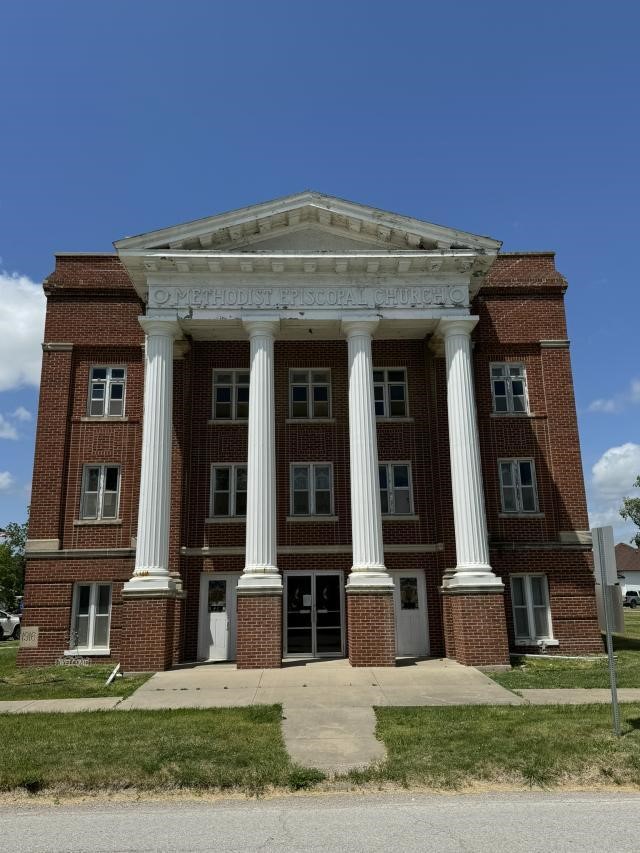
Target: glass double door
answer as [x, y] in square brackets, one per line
[314, 614]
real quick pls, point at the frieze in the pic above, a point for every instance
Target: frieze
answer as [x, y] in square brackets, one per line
[276, 297]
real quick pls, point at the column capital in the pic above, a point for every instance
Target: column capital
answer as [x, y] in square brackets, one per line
[449, 326]
[261, 326]
[155, 326]
[363, 326]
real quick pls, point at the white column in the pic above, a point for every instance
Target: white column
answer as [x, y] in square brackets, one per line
[473, 570]
[260, 571]
[151, 573]
[368, 570]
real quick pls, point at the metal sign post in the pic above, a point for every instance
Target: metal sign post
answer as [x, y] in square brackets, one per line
[604, 557]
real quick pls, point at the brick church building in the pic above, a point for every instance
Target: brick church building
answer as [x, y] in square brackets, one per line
[306, 428]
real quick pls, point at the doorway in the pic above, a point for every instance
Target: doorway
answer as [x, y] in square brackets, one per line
[410, 605]
[217, 635]
[313, 614]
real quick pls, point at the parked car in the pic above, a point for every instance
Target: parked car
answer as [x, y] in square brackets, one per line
[631, 598]
[9, 626]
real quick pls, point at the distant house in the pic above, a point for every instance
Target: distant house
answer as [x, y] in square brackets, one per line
[628, 565]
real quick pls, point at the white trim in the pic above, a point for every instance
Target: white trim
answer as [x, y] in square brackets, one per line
[232, 584]
[312, 514]
[528, 597]
[86, 653]
[419, 574]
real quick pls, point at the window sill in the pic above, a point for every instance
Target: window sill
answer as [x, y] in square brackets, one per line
[400, 517]
[521, 515]
[310, 421]
[86, 653]
[513, 415]
[537, 642]
[384, 420]
[228, 422]
[90, 522]
[312, 518]
[87, 419]
[226, 519]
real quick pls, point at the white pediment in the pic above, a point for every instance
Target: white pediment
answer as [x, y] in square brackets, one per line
[308, 221]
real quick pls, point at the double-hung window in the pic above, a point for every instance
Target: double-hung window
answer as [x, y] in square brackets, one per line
[231, 395]
[100, 492]
[395, 488]
[530, 602]
[311, 489]
[518, 485]
[509, 388]
[228, 490]
[106, 391]
[309, 394]
[91, 615]
[390, 392]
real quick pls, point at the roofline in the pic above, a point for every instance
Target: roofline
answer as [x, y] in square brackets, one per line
[85, 254]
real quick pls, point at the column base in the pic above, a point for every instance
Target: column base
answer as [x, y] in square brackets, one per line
[259, 629]
[371, 631]
[151, 586]
[152, 632]
[477, 627]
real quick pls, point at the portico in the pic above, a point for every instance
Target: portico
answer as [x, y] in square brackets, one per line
[373, 290]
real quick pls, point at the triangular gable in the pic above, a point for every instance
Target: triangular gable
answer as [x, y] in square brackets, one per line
[307, 221]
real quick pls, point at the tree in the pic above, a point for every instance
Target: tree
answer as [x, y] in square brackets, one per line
[12, 564]
[630, 511]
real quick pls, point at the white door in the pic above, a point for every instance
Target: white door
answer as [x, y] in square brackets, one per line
[217, 617]
[410, 599]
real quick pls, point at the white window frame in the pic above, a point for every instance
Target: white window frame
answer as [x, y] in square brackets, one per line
[507, 379]
[108, 382]
[515, 463]
[312, 490]
[233, 467]
[93, 599]
[234, 371]
[532, 638]
[310, 385]
[386, 385]
[391, 490]
[99, 516]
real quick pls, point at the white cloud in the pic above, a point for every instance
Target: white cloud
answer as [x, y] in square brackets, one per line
[22, 414]
[21, 330]
[7, 430]
[613, 478]
[6, 481]
[618, 402]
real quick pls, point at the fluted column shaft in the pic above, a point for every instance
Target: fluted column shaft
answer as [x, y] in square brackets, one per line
[368, 570]
[472, 545]
[151, 572]
[260, 571]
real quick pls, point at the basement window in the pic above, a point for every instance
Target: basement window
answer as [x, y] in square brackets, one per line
[530, 604]
[91, 617]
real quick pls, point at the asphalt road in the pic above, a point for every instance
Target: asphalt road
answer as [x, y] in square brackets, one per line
[350, 822]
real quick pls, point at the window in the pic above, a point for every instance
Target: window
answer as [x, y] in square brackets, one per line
[390, 393]
[106, 391]
[518, 485]
[530, 601]
[231, 395]
[395, 488]
[100, 492]
[228, 490]
[309, 394]
[311, 489]
[509, 387]
[91, 616]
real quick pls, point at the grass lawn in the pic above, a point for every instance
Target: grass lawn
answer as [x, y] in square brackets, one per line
[534, 745]
[148, 750]
[545, 672]
[58, 682]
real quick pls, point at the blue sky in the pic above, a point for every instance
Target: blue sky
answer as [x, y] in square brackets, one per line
[515, 120]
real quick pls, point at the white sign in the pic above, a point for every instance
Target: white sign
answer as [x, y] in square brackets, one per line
[29, 638]
[429, 296]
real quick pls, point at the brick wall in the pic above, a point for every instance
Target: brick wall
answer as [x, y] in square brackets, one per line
[259, 640]
[92, 305]
[478, 626]
[370, 629]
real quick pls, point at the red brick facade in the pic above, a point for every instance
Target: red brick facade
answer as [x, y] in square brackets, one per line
[370, 627]
[92, 319]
